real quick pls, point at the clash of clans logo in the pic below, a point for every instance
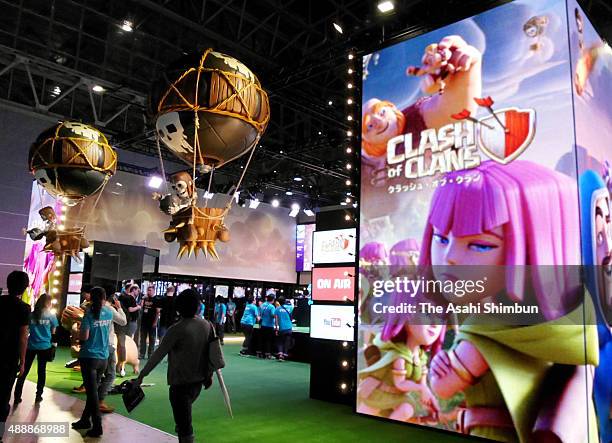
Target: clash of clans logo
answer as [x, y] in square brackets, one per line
[503, 135]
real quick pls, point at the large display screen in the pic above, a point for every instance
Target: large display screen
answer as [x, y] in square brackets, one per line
[468, 170]
[221, 290]
[303, 247]
[332, 322]
[238, 292]
[335, 246]
[333, 284]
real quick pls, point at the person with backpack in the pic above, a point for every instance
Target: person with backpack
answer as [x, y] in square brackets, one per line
[93, 356]
[42, 327]
[283, 326]
[189, 337]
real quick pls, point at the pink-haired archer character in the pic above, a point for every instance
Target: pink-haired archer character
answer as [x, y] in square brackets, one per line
[394, 383]
[404, 253]
[514, 226]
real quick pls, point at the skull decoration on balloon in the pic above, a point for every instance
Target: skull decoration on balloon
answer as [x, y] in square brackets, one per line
[209, 109]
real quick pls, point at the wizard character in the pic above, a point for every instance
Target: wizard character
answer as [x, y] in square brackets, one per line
[597, 258]
[515, 216]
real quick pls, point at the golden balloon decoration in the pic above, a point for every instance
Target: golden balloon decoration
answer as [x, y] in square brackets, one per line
[71, 161]
[209, 109]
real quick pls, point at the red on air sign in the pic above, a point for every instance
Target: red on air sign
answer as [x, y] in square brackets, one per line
[333, 284]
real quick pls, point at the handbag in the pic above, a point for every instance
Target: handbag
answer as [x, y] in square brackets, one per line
[132, 394]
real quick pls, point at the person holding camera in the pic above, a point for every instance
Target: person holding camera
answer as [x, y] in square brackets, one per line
[42, 327]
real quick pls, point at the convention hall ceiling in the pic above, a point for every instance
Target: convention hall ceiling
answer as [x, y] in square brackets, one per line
[52, 52]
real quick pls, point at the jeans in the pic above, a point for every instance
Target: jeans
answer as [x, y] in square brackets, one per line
[231, 323]
[149, 332]
[267, 338]
[8, 374]
[283, 341]
[181, 399]
[92, 370]
[108, 378]
[219, 329]
[131, 329]
[248, 335]
[42, 372]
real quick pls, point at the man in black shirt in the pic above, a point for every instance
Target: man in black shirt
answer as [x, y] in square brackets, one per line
[168, 315]
[148, 322]
[14, 320]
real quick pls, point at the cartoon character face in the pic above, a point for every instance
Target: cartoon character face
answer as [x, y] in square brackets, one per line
[478, 257]
[424, 335]
[381, 122]
[603, 251]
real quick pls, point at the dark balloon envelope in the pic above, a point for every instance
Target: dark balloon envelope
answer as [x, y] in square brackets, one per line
[219, 95]
[72, 161]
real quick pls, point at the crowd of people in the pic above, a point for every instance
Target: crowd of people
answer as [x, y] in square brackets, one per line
[26, 334]
[274, 316]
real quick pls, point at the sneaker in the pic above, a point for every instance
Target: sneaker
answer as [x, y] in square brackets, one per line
[106, 409]
[38, 399]
[79, 389]
[122, 372]
[244, 353]
[81, 424]
[94, 433]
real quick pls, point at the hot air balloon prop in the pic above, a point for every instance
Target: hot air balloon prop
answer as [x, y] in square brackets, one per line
[71, 161]
[209, 110]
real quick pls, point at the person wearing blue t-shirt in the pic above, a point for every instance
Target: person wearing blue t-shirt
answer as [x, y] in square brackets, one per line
[94, 336]
[42, 327]
[219, 316]
[249, 318]
[267, 326]
[284, 326]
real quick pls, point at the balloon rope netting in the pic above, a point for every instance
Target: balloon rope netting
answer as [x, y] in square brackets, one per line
[245, 82]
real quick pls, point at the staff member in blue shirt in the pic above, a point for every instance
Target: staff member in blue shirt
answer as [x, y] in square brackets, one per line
[95, 331]
[284, 326]
[231, 315]
[249, 318]
[42, 327]
[220, 312]
[267, 325]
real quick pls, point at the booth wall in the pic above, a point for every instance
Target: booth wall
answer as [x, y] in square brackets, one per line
[262, 245]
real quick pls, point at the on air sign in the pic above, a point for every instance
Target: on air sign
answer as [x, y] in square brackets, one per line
[333, 284]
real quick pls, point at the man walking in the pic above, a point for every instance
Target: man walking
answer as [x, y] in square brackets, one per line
[184, 342]
[219, 314]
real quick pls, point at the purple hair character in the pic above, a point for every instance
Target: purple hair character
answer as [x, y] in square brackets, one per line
[538, 210]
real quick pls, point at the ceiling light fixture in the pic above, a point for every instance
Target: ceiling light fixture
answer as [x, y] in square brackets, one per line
[97, 88]
[128, 26]
[275, 203]
[348, 183]
[295, 210]
[385, 6]
[288, 193]
[155, 182]
[330, 102]
[337, 27]
[309, 212]
[297, 179]
[254, 203]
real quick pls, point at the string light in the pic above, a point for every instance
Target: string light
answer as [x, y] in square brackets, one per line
[349, 133]
[349, 166]
[351, 56]
[347, 217]
[343, 386]
[349, 117]
[348, 183]
[349, 101]
[56, 273]
[349, 150]
[345, 344]
[344, 363]
[58, 264]
[349, 85]
[54, 311]
[55, 290]
[54, 301]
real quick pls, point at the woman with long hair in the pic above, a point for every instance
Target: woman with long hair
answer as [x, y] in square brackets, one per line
[42, 327]
[94, 336]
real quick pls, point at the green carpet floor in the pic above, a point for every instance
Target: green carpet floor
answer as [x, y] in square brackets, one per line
[270, 402]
